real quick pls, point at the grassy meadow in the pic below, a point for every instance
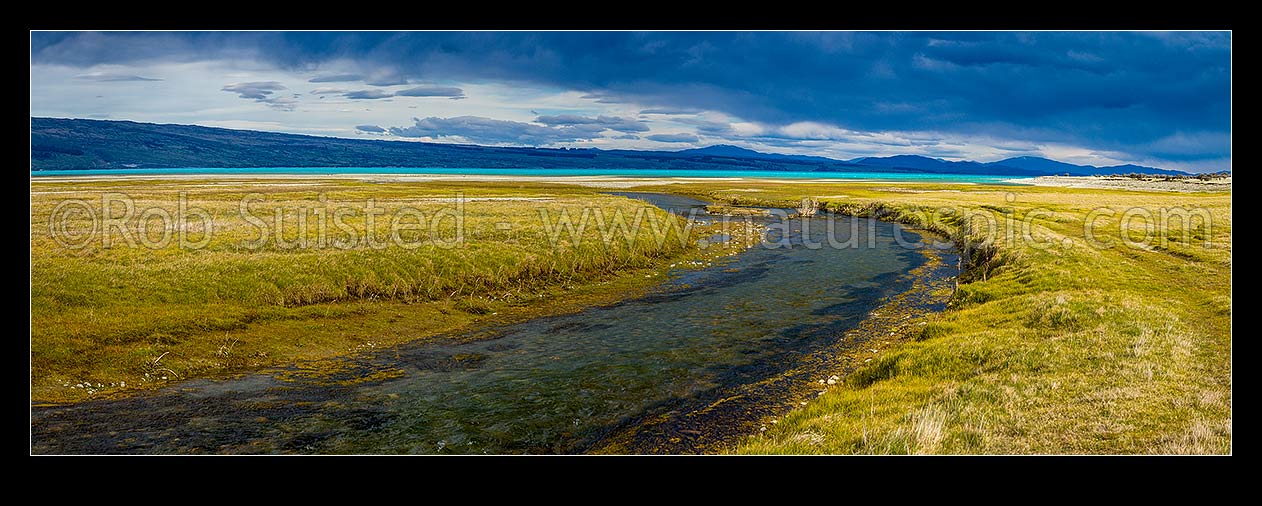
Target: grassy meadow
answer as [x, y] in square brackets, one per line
[108, 320]
[1050, 345]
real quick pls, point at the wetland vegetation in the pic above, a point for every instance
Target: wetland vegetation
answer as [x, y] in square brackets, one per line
[1049, 345]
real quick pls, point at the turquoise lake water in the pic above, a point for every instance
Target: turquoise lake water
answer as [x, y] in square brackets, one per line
[474, 171]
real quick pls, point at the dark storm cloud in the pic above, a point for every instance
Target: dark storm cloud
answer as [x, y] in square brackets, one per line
[1145, 94]
[672, 137]
[432, 91]
[387, 81]
[374, 129]
[108, 77]
[255, 90]
[367, 94]
[336, 78]
[263, 92]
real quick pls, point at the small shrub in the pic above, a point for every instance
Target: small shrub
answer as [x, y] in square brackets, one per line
[808, 206]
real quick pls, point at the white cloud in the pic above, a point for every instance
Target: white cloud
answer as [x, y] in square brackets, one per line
[198, 93]
[813, 130]
[106, 77]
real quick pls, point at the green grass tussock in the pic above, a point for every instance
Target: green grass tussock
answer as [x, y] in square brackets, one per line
[1050, 345]
[102, 315]
[1073, 329]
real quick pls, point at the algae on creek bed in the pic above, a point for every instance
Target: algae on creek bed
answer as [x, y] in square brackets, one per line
[754, 330]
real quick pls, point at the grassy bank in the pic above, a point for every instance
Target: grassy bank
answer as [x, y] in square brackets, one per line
[1051, 345]
[284, 281]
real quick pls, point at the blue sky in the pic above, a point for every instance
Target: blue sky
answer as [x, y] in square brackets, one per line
[1161, 99]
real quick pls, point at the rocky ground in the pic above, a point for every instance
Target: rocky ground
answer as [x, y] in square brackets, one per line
[1157, 183]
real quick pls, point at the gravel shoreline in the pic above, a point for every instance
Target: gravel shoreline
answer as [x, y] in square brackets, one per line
[1157, 183]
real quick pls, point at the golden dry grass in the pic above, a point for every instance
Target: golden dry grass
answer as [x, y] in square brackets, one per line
[1061, 349]
[111, 319]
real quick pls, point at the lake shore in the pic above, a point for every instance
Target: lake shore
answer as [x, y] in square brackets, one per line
[1155, 183]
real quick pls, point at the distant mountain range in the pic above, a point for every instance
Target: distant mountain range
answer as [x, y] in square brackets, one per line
[96, 144]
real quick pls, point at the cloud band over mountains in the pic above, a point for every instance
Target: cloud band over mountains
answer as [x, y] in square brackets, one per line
[1127, 96]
